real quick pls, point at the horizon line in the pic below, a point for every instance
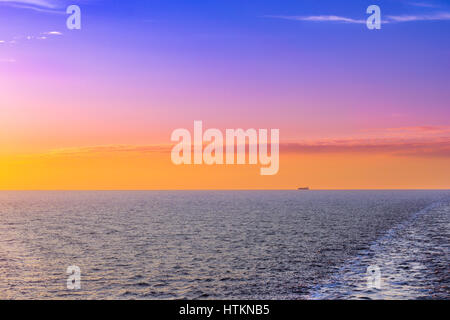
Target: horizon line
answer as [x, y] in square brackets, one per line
[319, 189]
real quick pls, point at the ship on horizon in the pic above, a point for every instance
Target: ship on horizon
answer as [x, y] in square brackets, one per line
[303, 188]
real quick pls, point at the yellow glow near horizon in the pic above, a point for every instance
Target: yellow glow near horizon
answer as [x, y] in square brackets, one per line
[155, 171]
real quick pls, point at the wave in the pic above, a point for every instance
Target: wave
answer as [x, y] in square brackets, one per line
[412, 258]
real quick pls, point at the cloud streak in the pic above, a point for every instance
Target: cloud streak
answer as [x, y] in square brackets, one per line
[423, 4]
[388, 19]
[42, 6]
[422, 129]
[438, 147]
[53, 33]
[410, 18]
[406, 147]
[43, 36]
[320, 18]
[34, 3]
[107, 149]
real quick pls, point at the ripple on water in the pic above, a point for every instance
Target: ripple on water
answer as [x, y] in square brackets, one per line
[205, 245]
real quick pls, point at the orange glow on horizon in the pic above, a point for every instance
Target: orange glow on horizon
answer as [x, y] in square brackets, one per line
[137, 170]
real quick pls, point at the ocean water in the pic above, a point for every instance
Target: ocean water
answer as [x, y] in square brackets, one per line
[225, 244]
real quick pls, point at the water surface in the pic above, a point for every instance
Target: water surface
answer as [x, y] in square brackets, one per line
[224, 244]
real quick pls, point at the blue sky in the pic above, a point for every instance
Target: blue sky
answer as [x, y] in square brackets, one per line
[244, 54]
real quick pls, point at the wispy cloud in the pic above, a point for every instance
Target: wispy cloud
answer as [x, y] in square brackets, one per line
[386, 19]
[424, 4]
[434, 147]
[44, 6]
[53, 33]
[427, 17]
[42, 36]
[423, 147]
[401, 141]
[321, 18]
[35, 3]
[415, 141]
[422, 130]
[107, 149]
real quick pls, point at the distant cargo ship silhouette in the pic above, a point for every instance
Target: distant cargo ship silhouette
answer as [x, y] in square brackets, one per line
[303, 188]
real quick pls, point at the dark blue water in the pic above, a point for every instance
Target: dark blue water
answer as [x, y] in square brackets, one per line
[225, 244]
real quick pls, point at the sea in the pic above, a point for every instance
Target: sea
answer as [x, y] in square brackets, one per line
[289, 245]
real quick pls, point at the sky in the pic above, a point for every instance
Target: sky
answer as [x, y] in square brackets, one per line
[95, 108]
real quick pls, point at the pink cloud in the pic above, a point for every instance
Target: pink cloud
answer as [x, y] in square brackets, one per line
[437, 147]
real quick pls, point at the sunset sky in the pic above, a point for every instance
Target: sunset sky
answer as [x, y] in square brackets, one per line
[95, 108]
